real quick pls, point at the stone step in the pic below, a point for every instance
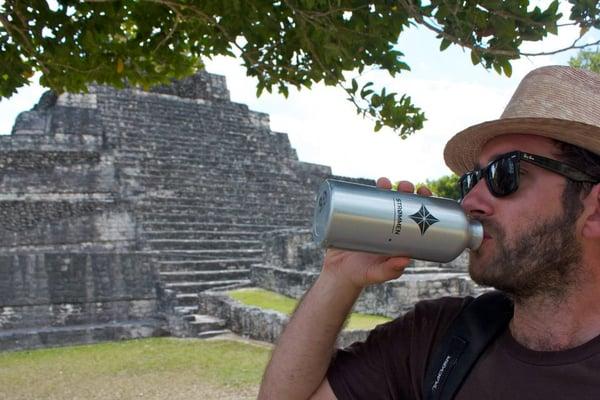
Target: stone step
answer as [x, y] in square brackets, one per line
[203, 143]
[130, 140]
[231, 192]
[215, 175]
[187, 299]
[211, 334]
[218, 142]
[235, 193]
[198, 153]
[185, 255]
[240, 158]
[223, 187]
[199, 276]
[185, 310]
[207, 235]
[207, 209]
[165, 133]
[218, 202]
[208, 321]
[195, 287]
[30, 338]
[208, 168]
[209, 151]
[256, 174]
[195, 244]
[208, 265]
[288, 219]
[207, 226]
[193, 201]
[195, 136]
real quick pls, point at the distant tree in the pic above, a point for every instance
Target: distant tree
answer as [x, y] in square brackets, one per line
[587, 59]
[445, 186]
[282, 43]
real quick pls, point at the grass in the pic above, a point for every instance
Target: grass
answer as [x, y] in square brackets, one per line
[156, 368]
[274, 301]
[153, 369]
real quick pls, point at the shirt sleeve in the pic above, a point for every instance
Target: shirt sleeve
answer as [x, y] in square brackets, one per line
[391, 362]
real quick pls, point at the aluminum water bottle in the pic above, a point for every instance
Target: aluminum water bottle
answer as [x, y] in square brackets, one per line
[359, 217]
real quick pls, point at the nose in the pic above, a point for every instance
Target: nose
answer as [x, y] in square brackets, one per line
[478, 202]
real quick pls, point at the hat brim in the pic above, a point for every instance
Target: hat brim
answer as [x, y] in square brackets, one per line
[462, 151]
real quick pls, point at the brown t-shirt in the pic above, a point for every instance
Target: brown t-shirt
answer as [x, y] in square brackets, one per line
[391, 363]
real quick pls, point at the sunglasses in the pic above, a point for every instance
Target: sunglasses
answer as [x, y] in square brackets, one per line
[502, 174]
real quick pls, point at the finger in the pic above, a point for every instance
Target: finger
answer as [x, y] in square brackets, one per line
[387, 270]
[406, 186]
[424, 191]
[384, 183]
[396, 263]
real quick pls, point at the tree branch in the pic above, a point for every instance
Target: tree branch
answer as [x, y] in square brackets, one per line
[171, 31]
[572, 47]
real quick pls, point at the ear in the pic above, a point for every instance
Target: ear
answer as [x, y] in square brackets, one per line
[591, 212]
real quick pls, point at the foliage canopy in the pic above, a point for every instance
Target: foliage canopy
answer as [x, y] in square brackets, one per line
[282, 43]
[444, 186]
[587, 60]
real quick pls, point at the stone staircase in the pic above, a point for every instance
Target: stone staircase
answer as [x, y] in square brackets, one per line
[207, 194]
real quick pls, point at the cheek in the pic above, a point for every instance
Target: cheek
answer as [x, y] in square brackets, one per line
[516, 220]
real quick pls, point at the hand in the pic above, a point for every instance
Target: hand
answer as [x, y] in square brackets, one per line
[361, 269]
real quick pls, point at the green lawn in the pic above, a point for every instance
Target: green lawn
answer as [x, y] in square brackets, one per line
[156, 368]
[274, 301]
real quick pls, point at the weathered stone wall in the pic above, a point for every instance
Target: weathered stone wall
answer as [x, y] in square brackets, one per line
[58, 290]
[293, 261]
[257, 323]
[292, 249]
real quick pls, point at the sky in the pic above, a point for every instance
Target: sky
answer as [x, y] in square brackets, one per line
[323, 126]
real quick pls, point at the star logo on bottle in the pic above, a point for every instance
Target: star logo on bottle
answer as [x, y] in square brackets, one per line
[424, 219]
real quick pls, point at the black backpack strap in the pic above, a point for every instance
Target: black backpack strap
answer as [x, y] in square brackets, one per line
[464, 341]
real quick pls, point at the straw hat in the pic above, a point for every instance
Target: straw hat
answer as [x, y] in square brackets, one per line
[558, 102]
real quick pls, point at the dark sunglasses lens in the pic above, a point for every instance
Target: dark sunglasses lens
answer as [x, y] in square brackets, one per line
[502, 177]
[467, 182]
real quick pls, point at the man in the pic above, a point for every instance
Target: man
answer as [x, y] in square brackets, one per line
[532, 179]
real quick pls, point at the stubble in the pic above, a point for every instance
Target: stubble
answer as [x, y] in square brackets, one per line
[545, 259]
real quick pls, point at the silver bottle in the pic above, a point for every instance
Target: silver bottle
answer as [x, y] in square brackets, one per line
[359, 217]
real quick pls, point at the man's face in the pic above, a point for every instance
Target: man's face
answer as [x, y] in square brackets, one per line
[530, 245]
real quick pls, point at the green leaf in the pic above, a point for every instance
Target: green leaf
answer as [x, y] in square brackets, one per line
[375, 100]
[553, 8]
[365, 93]
[507, 68]
[445, 43]
[475, 59]
[284, 91]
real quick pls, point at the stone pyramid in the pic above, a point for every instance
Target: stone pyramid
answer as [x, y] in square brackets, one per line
[113, 200]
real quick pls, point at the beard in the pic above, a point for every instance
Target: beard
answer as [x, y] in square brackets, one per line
[544, 260]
